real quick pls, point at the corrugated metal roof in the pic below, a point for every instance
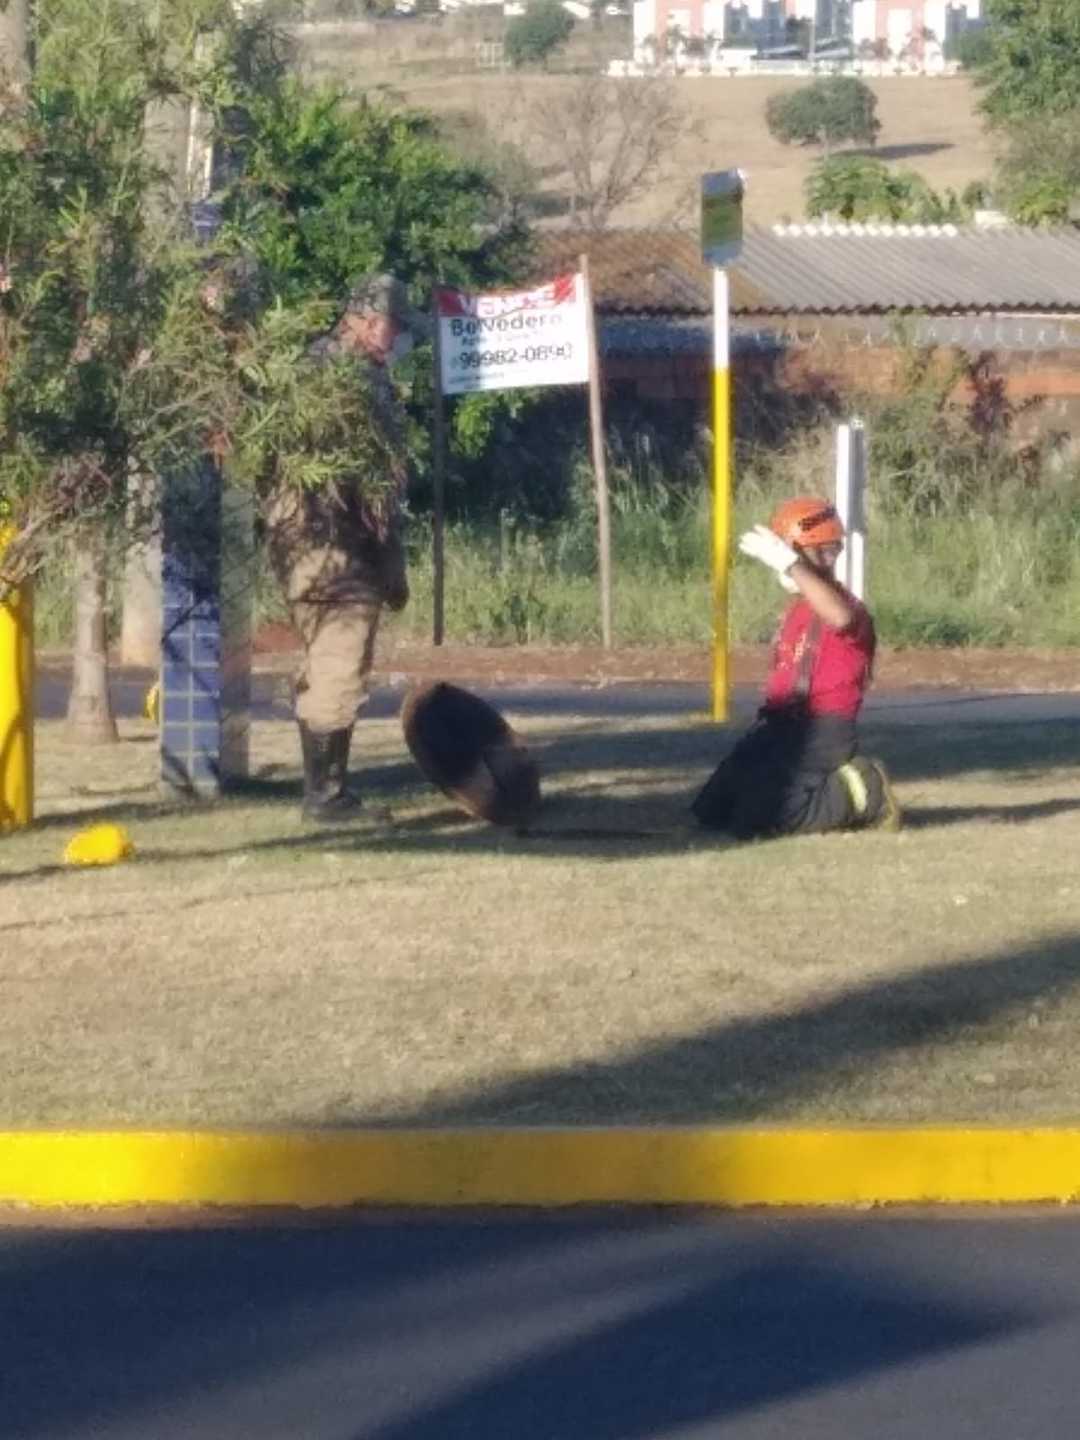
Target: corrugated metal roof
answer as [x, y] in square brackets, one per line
[824, 269]
[634, 272]
[830, 269]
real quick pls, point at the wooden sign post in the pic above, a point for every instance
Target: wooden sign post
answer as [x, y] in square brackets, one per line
[599, 459]
[505, 340]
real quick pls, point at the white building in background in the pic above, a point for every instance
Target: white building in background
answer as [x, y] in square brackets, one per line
[763, 24]
[921, 29]
[729, 33]
[898, 23]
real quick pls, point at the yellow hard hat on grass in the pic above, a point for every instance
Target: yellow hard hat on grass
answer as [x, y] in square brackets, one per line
[99, 845]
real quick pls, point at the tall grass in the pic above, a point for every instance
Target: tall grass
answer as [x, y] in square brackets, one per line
[999, 570]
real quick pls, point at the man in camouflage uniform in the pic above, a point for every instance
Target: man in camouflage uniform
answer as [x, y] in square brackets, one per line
[338, 563]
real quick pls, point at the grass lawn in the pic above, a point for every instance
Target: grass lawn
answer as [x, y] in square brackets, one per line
[616, 966]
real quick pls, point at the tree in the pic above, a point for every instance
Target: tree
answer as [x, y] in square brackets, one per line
[914, 52]
[674, 43]
[1029, 69]
[532, 38]
[934, 454]
[826, 113]
[1032, 62]
[128, 353]
[491, 141]
[115, 360]
[614, 139]
[89, 716]
[102, 361]
[1038, 173]
[321, 190]
[112, 369]
[859, 188]
[970, 47]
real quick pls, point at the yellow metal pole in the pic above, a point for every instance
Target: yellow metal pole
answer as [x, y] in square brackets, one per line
[16, 707]
[721, 496]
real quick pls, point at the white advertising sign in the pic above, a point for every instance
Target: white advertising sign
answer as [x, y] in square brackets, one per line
[508, 339]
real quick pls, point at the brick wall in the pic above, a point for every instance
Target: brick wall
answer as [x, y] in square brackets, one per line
[1047, 381]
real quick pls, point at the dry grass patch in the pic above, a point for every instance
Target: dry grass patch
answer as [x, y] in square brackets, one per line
[928, 124]
[616, 966]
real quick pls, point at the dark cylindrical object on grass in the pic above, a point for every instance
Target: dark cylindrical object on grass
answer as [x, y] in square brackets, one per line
[465, 747]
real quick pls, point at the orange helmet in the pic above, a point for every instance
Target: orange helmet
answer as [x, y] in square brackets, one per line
[807, 520]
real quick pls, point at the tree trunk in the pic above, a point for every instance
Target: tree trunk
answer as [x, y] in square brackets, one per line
[168, 137]
[90, 718]
[14, 39]
[140, 631]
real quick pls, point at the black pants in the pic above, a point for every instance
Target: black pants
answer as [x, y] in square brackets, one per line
[781, 779]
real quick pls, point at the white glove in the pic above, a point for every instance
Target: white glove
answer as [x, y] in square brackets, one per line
[765, 545]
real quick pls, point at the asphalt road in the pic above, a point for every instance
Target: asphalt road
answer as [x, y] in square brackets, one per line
[619, 700]
[595, 1327]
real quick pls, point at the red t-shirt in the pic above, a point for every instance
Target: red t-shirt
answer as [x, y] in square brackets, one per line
[839, 669]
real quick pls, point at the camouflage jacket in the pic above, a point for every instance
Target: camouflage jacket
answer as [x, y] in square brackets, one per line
[325, 545]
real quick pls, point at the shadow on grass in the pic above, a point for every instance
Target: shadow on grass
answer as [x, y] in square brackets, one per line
[1020, 750]
[122, 811]
[184, 903]
[910, 151]
[615, 1327]
[615, 834]
[912, 753]
[747, 1070]
[927, 817]
[594, 819]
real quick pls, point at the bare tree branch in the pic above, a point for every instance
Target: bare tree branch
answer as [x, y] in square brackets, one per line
[614, 138]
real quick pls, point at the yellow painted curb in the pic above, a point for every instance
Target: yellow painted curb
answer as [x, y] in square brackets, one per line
[628, 1166]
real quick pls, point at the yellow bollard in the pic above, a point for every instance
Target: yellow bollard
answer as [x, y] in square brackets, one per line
[16, 708]
[721, 497]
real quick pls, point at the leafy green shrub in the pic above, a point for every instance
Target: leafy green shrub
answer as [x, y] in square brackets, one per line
[532, 38]
[1041, 200]
[932, 456]
[826, 113]
[972, 47]
[860, 187]
[1030, 66]
[1039, 173]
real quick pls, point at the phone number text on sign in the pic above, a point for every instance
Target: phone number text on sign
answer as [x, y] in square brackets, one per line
[510, 339]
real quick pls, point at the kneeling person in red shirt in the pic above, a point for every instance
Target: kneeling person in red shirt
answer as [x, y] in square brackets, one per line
[797, 769]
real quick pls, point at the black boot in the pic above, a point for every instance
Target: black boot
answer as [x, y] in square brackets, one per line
[326, 767]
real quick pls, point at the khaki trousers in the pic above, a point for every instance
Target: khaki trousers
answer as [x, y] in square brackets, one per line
[334, 678]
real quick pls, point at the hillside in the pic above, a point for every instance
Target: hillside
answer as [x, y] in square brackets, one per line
[929, 125]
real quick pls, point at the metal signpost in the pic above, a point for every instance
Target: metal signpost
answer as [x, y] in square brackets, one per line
[851, 505]
[721, 244]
